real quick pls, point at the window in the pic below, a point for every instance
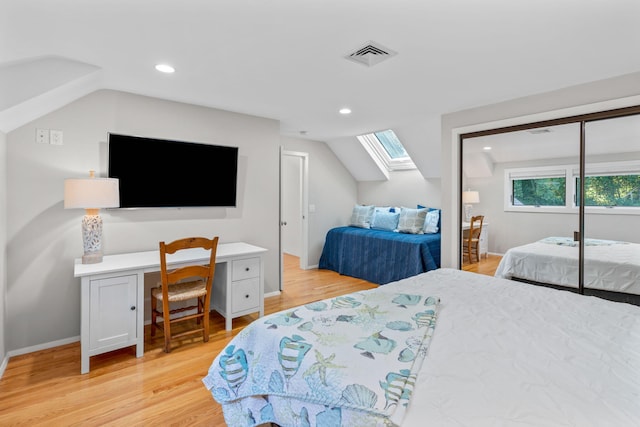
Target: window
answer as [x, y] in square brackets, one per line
[387, 150]
[556, 188]
[539, 192]
[610, 190]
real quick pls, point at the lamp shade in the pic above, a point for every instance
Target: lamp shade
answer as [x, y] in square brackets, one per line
[470, 197]
[91, 193]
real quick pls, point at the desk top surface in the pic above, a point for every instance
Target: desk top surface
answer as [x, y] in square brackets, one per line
[150, 260]
[466, 225]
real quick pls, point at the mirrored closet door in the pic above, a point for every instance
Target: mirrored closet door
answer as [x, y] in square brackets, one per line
[560, 201]
[612, 206]
[522, 179]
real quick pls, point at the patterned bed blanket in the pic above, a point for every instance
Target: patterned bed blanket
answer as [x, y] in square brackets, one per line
[568, 241]
[345, 361]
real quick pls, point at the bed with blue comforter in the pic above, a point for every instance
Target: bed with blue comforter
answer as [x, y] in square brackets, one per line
[379, 256]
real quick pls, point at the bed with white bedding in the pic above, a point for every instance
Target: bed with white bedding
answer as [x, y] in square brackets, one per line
[610, 265]
[483, 351]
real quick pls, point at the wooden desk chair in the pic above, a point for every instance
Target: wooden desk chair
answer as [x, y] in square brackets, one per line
[192, 282]
[471, 243]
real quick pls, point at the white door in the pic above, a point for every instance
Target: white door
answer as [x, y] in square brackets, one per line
[294, 168]
[291, 222]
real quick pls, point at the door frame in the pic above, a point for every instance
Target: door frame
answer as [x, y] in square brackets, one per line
[304, 211]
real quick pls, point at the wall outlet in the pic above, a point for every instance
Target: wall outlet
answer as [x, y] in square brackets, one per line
[55, 137]
[42, 136]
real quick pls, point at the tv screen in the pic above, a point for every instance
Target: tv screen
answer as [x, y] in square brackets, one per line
[163, 173]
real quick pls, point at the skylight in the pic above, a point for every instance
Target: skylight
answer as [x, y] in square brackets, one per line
[387, 150]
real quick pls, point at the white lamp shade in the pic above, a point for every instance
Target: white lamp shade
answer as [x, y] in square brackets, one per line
[470, 197]
[91, 193]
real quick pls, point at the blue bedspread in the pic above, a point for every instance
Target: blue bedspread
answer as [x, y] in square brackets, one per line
[379, 256]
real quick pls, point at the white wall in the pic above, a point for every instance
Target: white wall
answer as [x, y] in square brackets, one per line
[332, 190]
[43, 297]
[602, 95]
[3, 252]
[404, 188]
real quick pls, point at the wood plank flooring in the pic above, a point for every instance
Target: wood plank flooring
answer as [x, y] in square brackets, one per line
[46, 387]
[487, 265]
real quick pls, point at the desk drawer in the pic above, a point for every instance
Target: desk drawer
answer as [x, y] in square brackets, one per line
[245, 269]
[246, 295]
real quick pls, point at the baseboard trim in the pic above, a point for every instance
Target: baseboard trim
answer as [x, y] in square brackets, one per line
[272, 294]
[43, 346]
[3, 366]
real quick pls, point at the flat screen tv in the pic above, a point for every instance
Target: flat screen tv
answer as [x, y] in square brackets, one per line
[163, 173]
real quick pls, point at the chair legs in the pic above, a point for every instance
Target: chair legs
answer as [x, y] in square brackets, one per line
[470, 251]
[202, 316]
[154, 316]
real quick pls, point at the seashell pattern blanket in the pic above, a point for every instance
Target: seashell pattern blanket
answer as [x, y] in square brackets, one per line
[345, 361]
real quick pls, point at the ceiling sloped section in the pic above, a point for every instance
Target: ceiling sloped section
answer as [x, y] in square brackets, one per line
[356, 159]
[420, 138]
[37, 86]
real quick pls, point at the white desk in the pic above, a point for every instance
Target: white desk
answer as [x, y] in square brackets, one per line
[112, 293]
[484, 237]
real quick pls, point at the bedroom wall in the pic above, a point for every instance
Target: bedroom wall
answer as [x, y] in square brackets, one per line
[332, 190]
[404, 188]
[506, 229]
[616, 92]
[43, 297]
[3, 252]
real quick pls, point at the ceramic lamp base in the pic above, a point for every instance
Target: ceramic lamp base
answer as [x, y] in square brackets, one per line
[92, 258]
[92, 239]
[467, 213]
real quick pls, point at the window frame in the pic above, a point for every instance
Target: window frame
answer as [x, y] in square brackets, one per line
[571, 173]
[376, 150]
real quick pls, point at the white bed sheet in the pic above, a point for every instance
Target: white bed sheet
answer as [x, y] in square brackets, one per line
[614, 267]
[510, 354]
[506, 353]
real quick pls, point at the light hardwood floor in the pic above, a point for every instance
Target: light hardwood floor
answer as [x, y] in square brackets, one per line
[488, 265]
[46, 387]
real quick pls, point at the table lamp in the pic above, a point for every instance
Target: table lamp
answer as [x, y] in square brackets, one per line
[469, 198]
[91, 194]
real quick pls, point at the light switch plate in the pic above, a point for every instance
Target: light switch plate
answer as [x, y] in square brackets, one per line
[55, 137]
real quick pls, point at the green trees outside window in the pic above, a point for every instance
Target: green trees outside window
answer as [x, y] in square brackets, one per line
[539, 192]
[613, 190]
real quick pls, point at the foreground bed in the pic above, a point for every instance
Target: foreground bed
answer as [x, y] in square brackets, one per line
[610, 266]
[498, 353]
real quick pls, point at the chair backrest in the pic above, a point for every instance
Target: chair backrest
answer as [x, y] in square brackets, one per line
[475, 227]
[204, 272]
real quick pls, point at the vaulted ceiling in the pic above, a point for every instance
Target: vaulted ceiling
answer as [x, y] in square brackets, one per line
[286, 59]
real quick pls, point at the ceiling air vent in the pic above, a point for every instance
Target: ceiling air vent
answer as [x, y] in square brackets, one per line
[539, 131]
[371, 53]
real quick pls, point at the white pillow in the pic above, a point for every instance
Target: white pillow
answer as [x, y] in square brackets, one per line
[412, 220]
[431, 221]
[361, 216]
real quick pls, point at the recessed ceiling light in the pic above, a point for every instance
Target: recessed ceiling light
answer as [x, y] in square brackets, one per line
[486, 148]
[165, 68]
[345, 111]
